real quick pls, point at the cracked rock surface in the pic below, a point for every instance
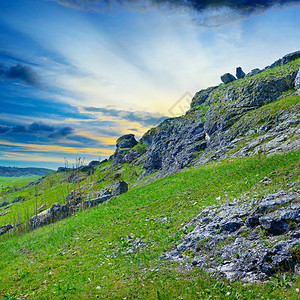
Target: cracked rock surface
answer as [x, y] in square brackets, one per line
[245, 239]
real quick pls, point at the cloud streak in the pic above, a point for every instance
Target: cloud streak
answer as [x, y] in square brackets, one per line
[39, 129]
[20, 71]
[143, 118]
[246, 7]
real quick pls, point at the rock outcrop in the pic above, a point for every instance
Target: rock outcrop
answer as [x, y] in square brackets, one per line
[285, 59]
[248, 239]
[224, 115]
[126, 141]
[297, 81]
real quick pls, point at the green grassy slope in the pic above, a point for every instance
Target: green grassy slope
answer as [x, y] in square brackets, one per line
[94, 253]
[16, 182]
[23, 172]
[55, 188]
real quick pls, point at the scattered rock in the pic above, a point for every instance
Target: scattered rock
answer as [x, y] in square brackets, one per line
[254, 72]
[96, 163]
[63, 169]
[89, 170]
[227, 78]
[5, 213]
[115, 189]
[5, 228]
[240, 73]
[18, 199]
[4, 204]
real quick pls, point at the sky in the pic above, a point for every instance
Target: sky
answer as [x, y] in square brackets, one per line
[77, 74]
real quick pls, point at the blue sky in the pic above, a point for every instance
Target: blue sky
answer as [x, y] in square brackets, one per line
[75, 75]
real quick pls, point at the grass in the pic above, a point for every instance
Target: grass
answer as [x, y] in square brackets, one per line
[93, 252]
[16, 182]
[55, 188]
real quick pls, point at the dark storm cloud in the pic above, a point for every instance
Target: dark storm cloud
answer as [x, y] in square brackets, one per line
[38, 129]
[246, 6]
[62, 132]
[144, 118]
[20, 71]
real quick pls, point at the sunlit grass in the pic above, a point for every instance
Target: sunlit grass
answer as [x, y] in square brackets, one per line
[89, 254]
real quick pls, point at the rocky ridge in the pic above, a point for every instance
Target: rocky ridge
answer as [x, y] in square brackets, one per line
[231, 120]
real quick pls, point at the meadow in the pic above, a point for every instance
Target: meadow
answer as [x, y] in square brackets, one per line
[113, 251]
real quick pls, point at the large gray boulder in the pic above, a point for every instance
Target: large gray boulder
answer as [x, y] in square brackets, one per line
[297, 81]
[126, 141]
[115, 189]
[239, 73]
[254, 72]
[96, 163]
[18, 199]
[227, 78]
[89, 170]
[5, 228]
[56, 212]
[4, 204]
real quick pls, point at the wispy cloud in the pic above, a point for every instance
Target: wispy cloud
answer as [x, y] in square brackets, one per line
[144, 118]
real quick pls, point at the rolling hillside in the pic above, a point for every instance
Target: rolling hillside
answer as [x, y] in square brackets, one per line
[23, 172]
[204, 206]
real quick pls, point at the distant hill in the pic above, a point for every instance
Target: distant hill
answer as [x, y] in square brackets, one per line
[26, 172]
